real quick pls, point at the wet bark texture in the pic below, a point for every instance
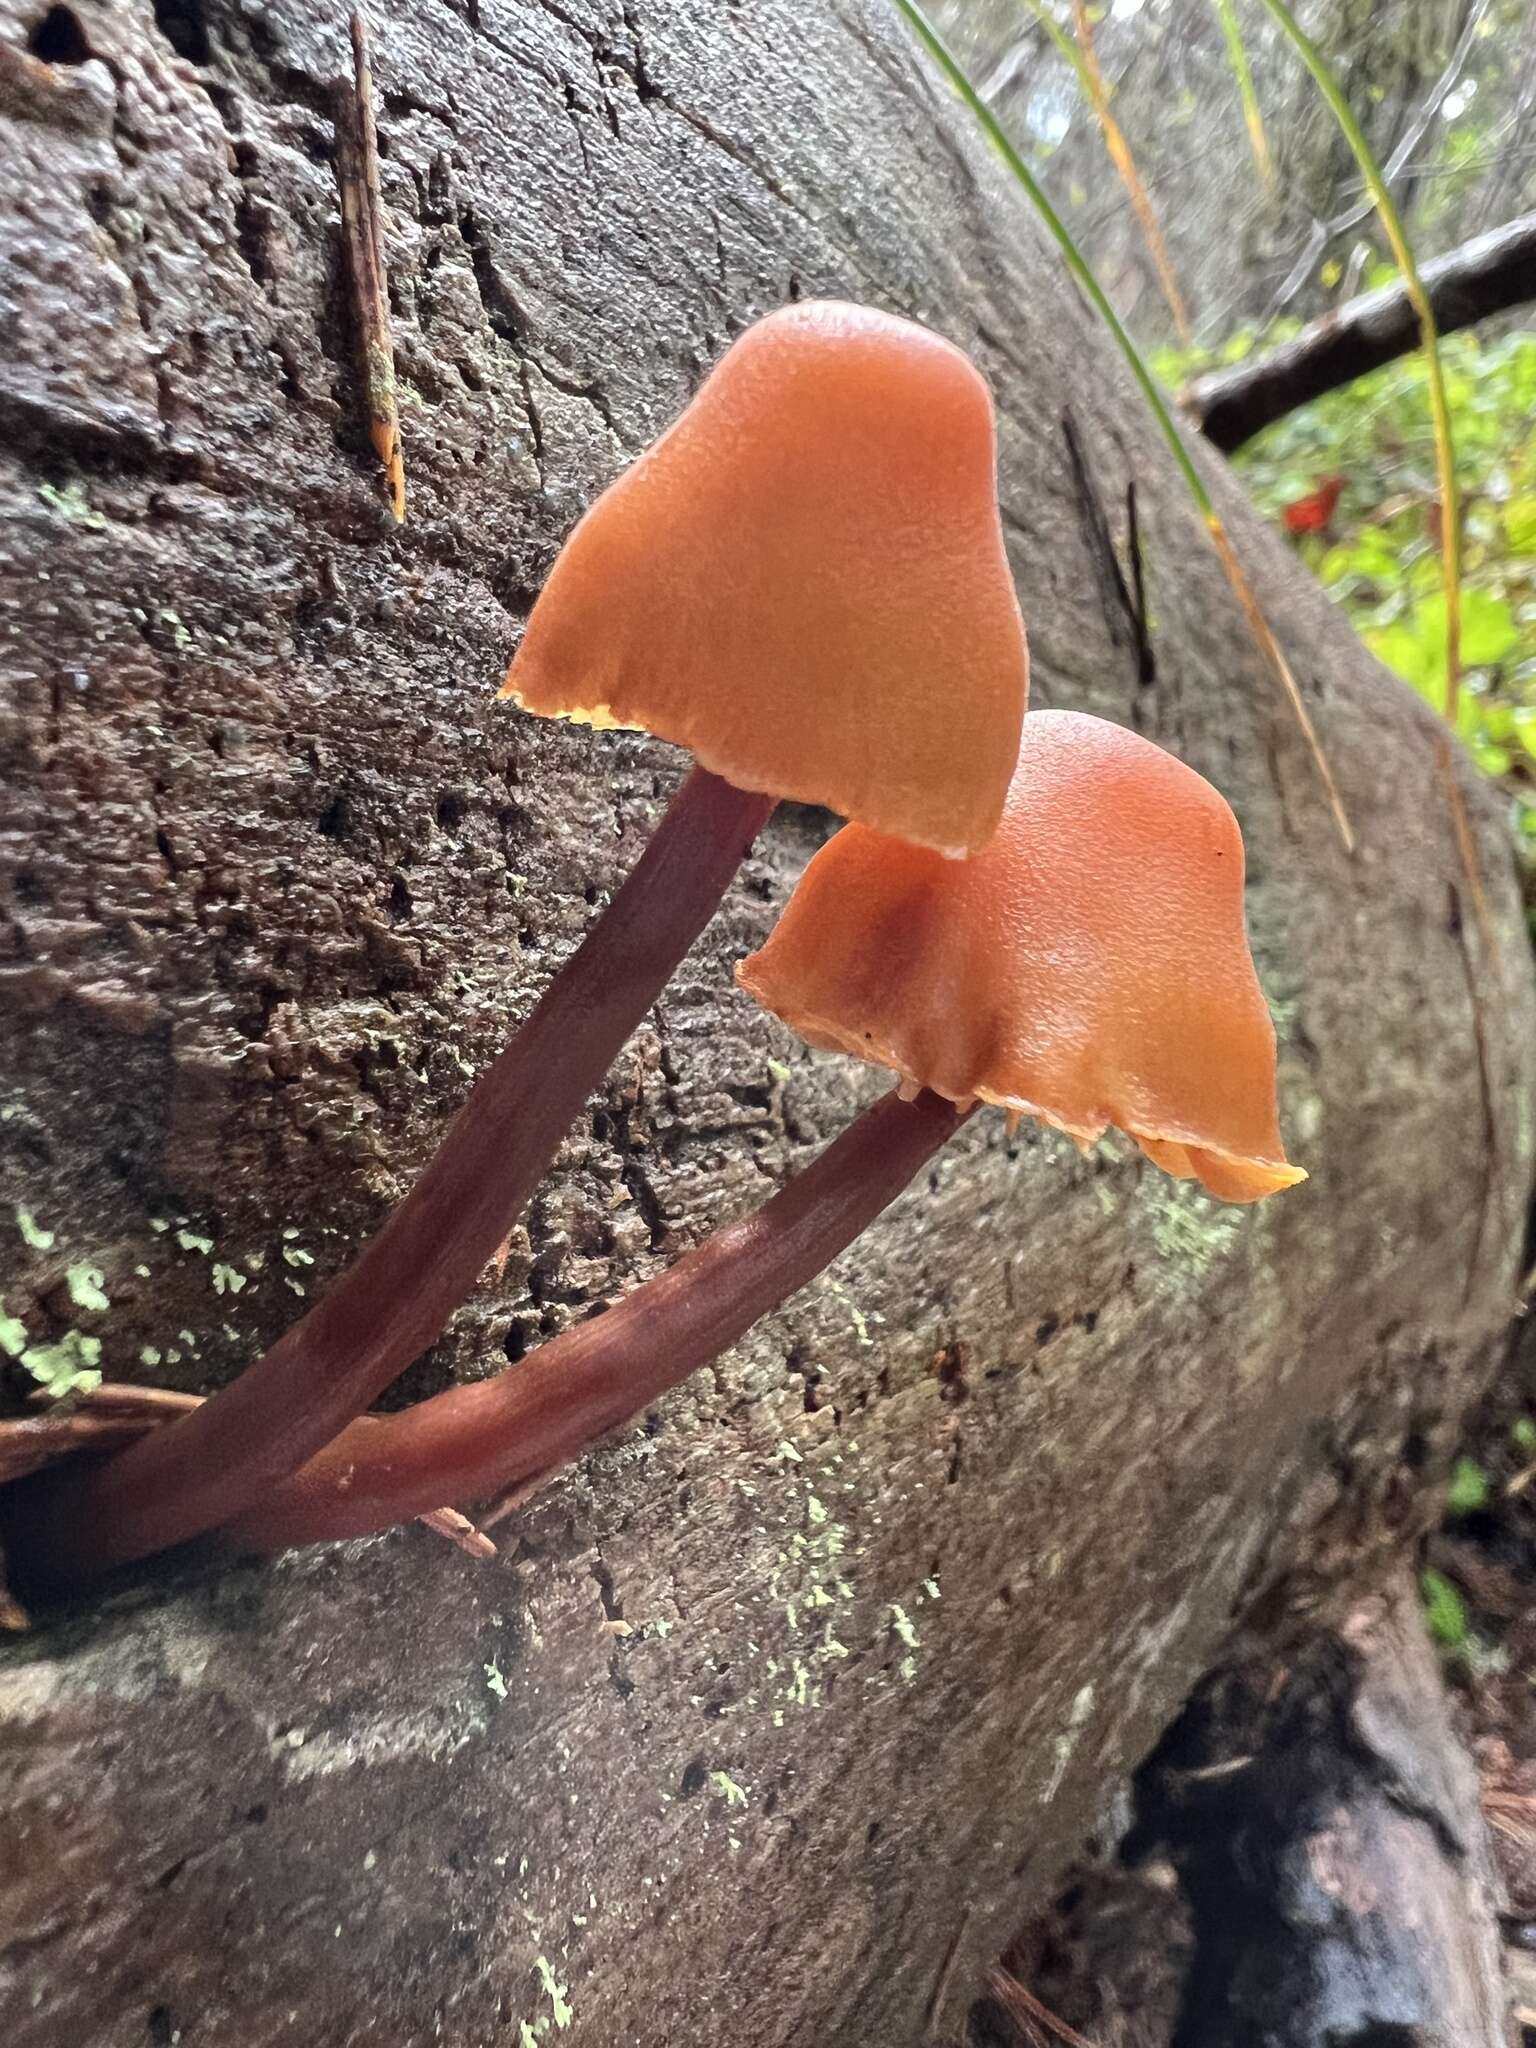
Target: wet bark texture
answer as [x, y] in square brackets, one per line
[780, 1712]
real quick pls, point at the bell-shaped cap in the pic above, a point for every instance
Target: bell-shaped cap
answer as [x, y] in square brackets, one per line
[804, 583]
[1088, 967]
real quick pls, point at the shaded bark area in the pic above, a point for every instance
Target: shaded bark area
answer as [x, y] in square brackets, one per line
[1484, 276]
[787, 1706]
[1325, 1819]
[1302, 1863]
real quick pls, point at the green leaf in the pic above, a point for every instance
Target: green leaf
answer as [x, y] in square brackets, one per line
[1520, 526]
[1467, 1493]
[1445, 1612]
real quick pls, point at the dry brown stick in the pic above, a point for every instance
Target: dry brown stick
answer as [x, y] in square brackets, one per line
[1485, 276]
[362, 224]
[461, 1530]
[1027, 2009]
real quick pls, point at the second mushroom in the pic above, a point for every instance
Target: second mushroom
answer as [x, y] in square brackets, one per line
[1090, 967]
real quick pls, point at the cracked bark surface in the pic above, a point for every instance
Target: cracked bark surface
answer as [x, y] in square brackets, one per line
[782, 1710]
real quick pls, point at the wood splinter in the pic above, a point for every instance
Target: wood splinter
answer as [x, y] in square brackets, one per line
[362, 227]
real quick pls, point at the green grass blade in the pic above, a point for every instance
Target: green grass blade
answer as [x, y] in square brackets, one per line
[1253, 119]
[1445, 446]
[1066, 49]
[1078, 268]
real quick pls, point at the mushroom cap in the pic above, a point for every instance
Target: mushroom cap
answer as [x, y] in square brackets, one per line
[804, 582]
[1089, 967]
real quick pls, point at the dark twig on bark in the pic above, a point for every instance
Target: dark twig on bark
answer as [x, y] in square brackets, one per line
[362, 226]
[1484, 276]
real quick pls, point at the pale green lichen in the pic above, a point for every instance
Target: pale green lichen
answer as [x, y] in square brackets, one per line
[33, 1235]
[13, 1335]
[191, 1242]
[901, 1627]
[86, 1289]
[558, 1994]
[495, 1680]
[732, 1793]
[1191, 1230]
[66, 1367]
[226, 1280]
[71, 503]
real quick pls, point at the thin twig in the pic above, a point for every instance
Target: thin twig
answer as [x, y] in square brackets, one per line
[1025, 2007]
[461, 1530]
[362, 225]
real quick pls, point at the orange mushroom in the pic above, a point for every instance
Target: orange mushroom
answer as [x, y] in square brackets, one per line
[1088, 967]
[804, 582]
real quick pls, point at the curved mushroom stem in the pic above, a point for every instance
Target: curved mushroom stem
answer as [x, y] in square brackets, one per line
[479, 1440]
[399, 1292]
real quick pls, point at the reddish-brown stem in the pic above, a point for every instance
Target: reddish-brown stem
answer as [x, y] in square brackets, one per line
[395, 1298]
[478, 1440]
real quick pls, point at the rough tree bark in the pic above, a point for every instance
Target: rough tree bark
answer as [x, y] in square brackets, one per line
[779, 1712]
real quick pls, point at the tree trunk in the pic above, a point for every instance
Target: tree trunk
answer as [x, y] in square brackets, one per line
[776, 1715]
